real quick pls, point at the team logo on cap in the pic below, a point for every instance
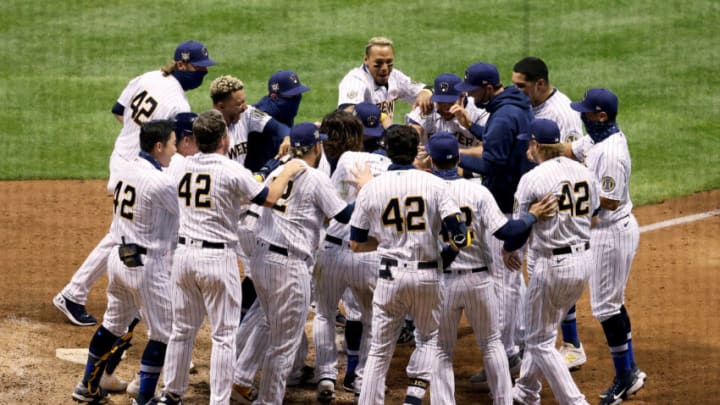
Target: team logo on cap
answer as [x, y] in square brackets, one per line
[372, 121]
[204, 52]
[294, 79]
[185, 56]
[275, 86]
[598, 108]
[466, 75]
[444, 87]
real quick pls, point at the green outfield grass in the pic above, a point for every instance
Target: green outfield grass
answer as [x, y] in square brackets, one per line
[64, 64]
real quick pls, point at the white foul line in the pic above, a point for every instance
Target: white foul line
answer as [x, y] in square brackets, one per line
[678, 221]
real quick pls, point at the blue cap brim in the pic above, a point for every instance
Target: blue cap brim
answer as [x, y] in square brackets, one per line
[375, 132]
[437, 98]
[465, 87]
[295, 91]
[204, 63]
[580, 107]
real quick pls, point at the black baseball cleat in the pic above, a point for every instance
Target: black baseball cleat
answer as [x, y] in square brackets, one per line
[349, 381]
[622, 388]
[75, 312]
[407, 334]
[83, 395]
[166, 398]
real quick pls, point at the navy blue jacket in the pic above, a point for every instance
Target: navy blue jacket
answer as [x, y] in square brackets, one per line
[262, 146]
[503, 160]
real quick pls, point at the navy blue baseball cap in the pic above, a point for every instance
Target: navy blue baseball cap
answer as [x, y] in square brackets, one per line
[194, 53]
[444, 90]
[443, 147]
[543, 131]
[286, 83]
[597, 100]
[369, 114]
[477, 75]
[183, 124]
[305, 134]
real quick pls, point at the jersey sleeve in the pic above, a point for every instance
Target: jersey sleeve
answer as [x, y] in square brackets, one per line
[257, 119]
[489, 212]
[246, 185]
[612, 176]
[326, 196]
[523, 198]
[352, 89]
[407, 89]
[360, 218]
[129, 91]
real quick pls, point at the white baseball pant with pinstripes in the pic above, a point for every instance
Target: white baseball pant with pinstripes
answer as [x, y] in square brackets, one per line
[614, 247]
[274, 273]
[556, 284]
[411, 291]
[204, 278]
[338, 269]
[474, 294]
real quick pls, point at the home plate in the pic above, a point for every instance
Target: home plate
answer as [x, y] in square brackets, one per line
[76, 355]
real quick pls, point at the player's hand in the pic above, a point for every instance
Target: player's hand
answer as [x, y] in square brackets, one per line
[284, 146]
[512, 260]
[361, 175]
[293, 167]
[461, 115]
[545, 208]
[423, 101]
[422, 160]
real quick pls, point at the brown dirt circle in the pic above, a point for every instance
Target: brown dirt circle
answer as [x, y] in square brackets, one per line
[49, 227]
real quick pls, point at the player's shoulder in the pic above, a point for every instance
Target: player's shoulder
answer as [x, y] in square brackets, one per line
[255, 114]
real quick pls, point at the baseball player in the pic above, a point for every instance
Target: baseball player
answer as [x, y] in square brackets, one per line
[338, 269]
[282, 103]
[159, 94]
[287, 237]
[615, 240]
[530, 75]
[377, 81]
[404, 209]
[501, 165]
[145, 215]
[466, 285]
[205, 275]
[563, 261]
[452, 112]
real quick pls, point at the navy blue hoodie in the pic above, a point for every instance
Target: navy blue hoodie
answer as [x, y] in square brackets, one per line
[503, 160]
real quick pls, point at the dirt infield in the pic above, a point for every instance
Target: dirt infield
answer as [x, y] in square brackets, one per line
[50, 227]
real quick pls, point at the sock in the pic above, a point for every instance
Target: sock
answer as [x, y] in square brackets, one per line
[151, 365]
[415, 391]
[624, 314]
[616, 335]
[98, 354]
[352, 362]
[569, 328]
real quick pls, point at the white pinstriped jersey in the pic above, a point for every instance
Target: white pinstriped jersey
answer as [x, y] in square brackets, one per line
[358, 86]
[578, 198]
[145, 209]
[557, 109]
[610, 161]
[251, 120]
[211, 190]
[434, 122]
[481, 214]
[295, 220]
[342, 180]
[148, 96]
[399, 207]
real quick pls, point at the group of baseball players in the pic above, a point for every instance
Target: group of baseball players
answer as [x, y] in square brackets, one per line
[409, 225]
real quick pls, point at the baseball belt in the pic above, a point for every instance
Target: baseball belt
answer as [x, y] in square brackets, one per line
[460, 271]
[203, 243]
[567, 249]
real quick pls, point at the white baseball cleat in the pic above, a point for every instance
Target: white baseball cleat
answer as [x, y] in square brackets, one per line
[111, 383]
[134, 387]
[574, 356]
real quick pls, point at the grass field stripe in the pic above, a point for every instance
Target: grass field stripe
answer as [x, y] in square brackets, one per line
[678, 221]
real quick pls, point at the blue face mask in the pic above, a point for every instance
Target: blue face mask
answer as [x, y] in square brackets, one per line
[597, 130]
[188, 79]
[287, 109]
